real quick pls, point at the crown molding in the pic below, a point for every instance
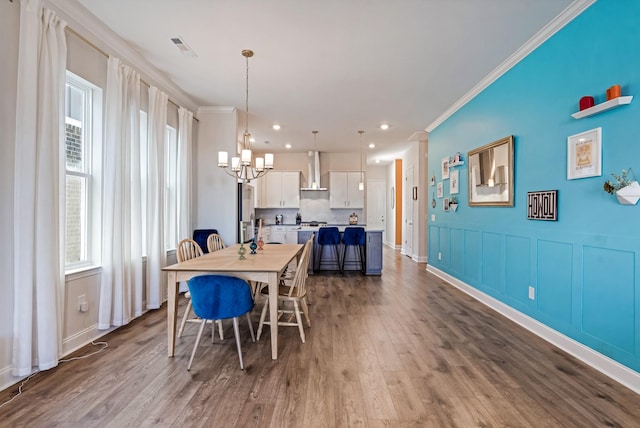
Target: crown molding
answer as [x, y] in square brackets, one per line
[566, 16]
[82, 21]
[418, 136]
[216, 110]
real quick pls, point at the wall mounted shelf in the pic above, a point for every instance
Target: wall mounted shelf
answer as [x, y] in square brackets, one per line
[607, 105]
[459, 163]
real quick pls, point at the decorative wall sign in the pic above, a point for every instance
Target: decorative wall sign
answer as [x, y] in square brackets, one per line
[454, 183]
[445, 168]
[542, 205]
[446, 204]
[584, 154]
[440, 192]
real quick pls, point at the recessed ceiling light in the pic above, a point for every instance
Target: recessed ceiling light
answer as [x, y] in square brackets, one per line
[252, 140]
[288, 146]
[384, 126]
[371, 145]
[276, 127]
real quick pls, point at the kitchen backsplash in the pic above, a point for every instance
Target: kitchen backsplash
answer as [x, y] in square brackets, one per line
[310, 210]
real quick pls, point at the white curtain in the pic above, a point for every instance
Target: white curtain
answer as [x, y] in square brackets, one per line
[183, 209]
[39, 190]
[156, 252]
[121, 287]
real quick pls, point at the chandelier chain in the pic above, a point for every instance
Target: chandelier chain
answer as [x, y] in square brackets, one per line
[246, 102]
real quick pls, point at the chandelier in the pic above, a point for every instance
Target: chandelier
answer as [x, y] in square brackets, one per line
[243, 167]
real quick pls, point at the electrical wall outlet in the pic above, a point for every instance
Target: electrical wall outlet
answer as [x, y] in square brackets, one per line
[439, 255]
[532, 293]
[83, 305]
[433, 217]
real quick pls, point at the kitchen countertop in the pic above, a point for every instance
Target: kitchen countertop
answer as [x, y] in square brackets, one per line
[293, 224]
[341, 227]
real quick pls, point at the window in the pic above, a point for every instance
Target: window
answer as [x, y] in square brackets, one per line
[82, 105]
[170, 184]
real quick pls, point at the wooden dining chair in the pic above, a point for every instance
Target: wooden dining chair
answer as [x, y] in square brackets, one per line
[189, 249]
[292, 297]
[215, 243]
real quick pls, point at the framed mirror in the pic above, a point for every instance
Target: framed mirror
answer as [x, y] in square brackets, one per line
[491, 174]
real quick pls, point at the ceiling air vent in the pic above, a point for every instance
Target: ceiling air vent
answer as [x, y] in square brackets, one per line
[184, 47]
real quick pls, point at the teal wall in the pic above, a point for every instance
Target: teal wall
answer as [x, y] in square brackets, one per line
[585, 266]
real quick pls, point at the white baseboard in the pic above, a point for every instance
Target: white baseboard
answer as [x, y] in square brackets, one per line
[6, 380]
[393, 246]
[82, 338]
[616, 371]
[69, 345]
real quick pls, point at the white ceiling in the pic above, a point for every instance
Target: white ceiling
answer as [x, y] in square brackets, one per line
[336, 66]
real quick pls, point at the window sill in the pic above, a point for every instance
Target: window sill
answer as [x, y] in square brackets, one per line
[82, 272]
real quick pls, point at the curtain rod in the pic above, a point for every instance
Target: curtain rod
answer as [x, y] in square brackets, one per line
[106, 55]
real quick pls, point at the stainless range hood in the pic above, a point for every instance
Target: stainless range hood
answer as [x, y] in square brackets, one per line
[313, 175]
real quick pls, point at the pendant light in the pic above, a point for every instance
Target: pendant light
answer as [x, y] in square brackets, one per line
[361, 184]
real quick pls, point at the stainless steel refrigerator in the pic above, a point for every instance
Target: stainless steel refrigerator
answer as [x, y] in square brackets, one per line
[246, 212]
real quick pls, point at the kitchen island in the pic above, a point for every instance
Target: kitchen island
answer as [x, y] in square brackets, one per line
[373, 251]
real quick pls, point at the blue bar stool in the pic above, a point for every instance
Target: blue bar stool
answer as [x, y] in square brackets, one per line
[354, 237]
[328, 236]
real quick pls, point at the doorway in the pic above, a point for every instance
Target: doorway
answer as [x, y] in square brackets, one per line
[376, 206]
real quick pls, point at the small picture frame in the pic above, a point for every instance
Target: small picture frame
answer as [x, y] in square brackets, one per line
[445, 168]
[445, 206]
[433, 180]
[542, 205]
[584, 154]
[454, 182]
[440, 192]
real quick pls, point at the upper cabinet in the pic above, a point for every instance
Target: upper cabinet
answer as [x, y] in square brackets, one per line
[279, 189]
[343, 189]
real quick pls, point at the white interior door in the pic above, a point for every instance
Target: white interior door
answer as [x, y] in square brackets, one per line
[376, 205]
[409, 212]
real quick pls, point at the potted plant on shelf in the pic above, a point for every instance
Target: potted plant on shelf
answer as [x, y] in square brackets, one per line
[624, 186]
[453, 203]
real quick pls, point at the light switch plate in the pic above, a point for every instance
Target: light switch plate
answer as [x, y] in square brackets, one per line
[433, 217]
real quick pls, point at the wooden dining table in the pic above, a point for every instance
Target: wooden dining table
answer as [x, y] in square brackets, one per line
[265, 266]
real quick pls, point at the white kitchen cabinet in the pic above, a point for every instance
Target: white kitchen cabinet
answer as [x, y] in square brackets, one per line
[279, 189]
[266, 234]
[344, 191]
[278, 234]
[292, 234]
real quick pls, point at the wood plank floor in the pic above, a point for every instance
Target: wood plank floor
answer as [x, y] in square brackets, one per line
[401, 350]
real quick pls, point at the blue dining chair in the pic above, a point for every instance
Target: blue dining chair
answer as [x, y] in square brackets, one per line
[201, 236]
[215, 297]
[353, 237]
